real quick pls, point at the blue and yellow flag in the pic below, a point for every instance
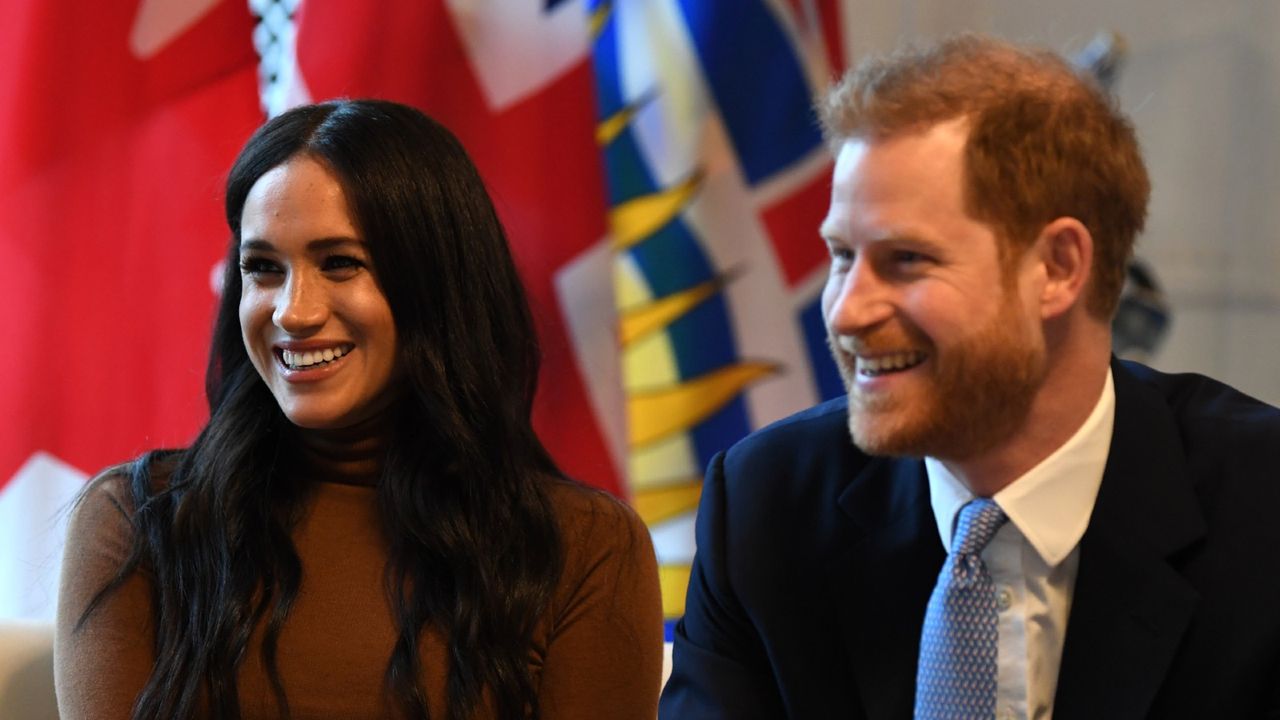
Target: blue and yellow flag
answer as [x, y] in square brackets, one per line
[717, 180]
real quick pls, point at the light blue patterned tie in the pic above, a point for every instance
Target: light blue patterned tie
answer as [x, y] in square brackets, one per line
[956, 677]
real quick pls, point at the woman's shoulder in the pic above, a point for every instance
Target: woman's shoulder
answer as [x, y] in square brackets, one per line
[107, 503]
[580, 507]
[608, 604]
[108, 492]
[595, 525]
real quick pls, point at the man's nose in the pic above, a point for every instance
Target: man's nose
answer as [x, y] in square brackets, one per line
[862, 300]
[303, 305]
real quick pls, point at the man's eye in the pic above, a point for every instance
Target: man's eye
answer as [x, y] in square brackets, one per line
[907, 257]
[257, 266]
[841, 256]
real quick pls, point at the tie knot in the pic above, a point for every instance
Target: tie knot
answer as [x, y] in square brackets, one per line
[980, 518]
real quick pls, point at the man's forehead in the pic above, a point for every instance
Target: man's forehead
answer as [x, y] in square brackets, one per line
[850, 153]
[956, 126]
[923, 155]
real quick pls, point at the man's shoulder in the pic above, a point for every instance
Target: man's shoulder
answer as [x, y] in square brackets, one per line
[805, 459]
[1203, 408]
[819, 427]
[777, 494]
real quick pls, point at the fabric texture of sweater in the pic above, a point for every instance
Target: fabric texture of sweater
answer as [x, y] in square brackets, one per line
[596, 652]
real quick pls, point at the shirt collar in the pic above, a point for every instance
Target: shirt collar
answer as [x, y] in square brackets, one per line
[1051, 503]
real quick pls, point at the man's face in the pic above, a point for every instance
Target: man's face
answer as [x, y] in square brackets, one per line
[940, 348]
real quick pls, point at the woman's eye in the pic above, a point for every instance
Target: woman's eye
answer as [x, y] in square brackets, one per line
[257, 266]
[341, 263]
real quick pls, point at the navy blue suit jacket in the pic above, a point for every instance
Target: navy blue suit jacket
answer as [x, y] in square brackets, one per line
[815, 562]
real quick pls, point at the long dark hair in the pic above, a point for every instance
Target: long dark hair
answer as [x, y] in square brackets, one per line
[474, 548]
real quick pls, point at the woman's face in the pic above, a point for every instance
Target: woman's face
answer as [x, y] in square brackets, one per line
[314, 320]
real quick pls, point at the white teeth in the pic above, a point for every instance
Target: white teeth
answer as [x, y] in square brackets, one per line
[887, 363]
[295, 360]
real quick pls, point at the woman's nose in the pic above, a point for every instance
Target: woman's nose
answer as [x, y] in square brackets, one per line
[302, 307]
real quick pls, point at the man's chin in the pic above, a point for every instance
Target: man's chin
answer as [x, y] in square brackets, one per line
[878, 434]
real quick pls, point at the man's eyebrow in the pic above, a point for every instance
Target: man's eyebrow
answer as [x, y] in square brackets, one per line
[915, 240]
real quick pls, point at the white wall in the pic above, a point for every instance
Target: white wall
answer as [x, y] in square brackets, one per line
[1202, 84]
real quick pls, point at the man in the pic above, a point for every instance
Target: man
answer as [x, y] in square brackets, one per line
[985, 200]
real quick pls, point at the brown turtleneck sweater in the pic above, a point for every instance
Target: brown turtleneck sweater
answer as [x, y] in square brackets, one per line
[597, 653]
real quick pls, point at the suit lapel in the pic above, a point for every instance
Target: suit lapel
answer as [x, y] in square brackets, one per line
[1130, 606]
[883, 581]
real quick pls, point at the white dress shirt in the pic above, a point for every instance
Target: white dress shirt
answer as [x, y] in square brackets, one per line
[1034, 557]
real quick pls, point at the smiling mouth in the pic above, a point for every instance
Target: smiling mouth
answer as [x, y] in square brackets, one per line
[312, 359]
[888, 362]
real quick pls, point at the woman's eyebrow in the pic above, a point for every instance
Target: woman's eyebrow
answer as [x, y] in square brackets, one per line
[321, 244]
[330, 243]
[256, 244]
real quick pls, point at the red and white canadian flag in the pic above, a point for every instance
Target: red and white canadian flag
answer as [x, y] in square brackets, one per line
[118, 121]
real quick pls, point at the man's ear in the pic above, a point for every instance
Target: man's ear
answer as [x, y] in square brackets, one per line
[1065, 248]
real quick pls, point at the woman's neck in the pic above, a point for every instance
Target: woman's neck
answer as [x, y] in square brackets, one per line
[352, 456]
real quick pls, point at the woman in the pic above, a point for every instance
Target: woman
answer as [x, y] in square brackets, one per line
[367, 526]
